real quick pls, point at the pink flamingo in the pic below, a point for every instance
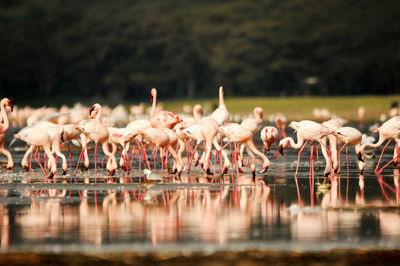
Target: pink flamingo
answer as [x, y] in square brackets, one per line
[350, 135]
[240, 135]
[332, 159]
[307, 132]
[269, 135]
[69, 133]
[120, 136]
[161, 119]
[252, 124]
[209, 129]
[221, 114]
[4, 125]
[37, 137]
[54, 132]
[95, 131]
[387, 131]
[159, 139]
[281, 122]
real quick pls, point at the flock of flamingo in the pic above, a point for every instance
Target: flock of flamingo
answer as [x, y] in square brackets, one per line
[168, 134]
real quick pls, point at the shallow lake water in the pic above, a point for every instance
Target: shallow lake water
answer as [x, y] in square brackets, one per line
[196, 212]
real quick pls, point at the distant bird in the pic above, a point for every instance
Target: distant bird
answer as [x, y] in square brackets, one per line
[4, 125]
[361, 114]
[281, 122]
[221, 114]
[161, 119]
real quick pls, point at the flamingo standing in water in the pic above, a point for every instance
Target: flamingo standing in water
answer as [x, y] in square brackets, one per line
[269, 135]
[221, 114]
[350, 135]
[160, 139]
[307, 132]
[37, 138]
[4, 125]
[54, 132]
[332, 160]
[161, 119]
[94, 130]
[240, 135]
[387, 131]
[252, 124]
[209, 129]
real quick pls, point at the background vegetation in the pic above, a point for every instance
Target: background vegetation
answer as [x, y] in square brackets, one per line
[70, 50]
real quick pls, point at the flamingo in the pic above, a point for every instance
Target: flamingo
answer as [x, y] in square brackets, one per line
[161, 119]
[37, 137]
[281, 122]
[240, 135]
[120, 136]
[269, 135]
[252, 124]
[307, 131]
[159, 139]
[209, 128]
[68, 134]
[4, 125]
[221, 114]
[350, 135]
[54, 132]
[95, 131]
[332, 160]
[387, 131]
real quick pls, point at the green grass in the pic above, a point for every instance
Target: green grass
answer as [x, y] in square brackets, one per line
[298, 108]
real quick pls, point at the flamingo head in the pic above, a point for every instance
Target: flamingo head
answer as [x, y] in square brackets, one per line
[94, 110]
[8, 102]
[376, 130]
[281, 150]
[153, 94]
[360, 157]
[258, 112]
[197, 108]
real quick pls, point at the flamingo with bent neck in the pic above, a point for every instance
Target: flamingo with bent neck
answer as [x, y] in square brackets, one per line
[387, 131]
[240, 135]
[4, 125]
[307, 132]
[37, 137]
[161, 119]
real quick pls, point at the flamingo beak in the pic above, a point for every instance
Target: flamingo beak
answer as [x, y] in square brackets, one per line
[151, 98]
[281, 150]
[62, 136]
[264, 170]
[360, 157]
[11, 106]
[91, 110]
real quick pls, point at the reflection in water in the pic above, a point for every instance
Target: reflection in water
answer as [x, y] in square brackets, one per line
[349, 210]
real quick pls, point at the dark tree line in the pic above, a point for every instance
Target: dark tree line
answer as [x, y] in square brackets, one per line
[118, 50]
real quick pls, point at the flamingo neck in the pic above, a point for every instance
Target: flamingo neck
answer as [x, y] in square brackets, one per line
[4, 117]
[293, 144]
[197, 116]
[376, 145]
[153, 107]
[221, 96]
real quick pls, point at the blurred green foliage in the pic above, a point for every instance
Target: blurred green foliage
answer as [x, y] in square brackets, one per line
[118, 50]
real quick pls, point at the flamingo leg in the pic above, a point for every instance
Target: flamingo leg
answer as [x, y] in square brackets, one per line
[191, 157]
[95, 163]
[37, 158]
[298, 158]
[377, 172]
[312, 173]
